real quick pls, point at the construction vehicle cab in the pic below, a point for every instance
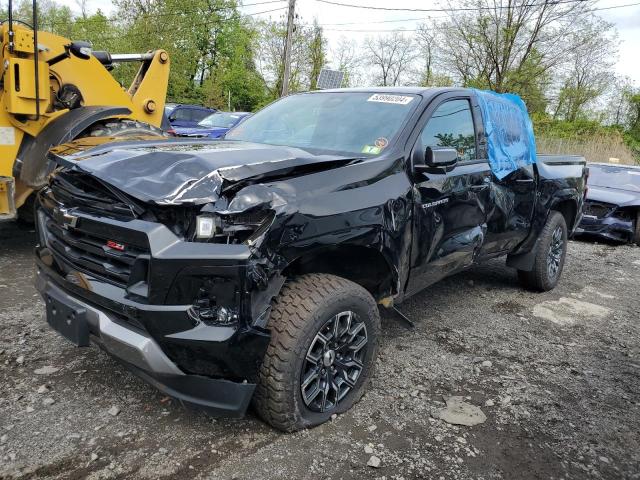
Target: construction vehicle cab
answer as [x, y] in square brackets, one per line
[53, 90]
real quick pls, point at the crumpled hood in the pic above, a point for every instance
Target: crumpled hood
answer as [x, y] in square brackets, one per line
[615, 196]
[196, 172]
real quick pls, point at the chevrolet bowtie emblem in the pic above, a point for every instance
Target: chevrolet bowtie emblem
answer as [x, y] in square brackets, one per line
[64, 218]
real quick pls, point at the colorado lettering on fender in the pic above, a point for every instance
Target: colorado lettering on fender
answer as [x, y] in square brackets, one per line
[435, 204]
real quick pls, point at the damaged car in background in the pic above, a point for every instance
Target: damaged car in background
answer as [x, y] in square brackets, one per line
[612, 206]
[251, 269]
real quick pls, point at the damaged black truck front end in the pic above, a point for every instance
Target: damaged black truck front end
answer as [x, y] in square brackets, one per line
[250, 269]
[176, 286]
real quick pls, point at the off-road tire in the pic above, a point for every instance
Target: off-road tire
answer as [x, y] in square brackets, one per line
[300, 310]
[636, 230]
[122, 128]
[539, 278]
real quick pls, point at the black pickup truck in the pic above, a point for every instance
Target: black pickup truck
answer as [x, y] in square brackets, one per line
[251, 269]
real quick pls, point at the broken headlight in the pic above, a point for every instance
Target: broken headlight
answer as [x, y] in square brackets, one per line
[232, 229]
[206, 226]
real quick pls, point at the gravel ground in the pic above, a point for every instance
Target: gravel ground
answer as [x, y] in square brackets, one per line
[556, 374]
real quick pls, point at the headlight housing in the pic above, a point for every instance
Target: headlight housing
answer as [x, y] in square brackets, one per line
[233, 229]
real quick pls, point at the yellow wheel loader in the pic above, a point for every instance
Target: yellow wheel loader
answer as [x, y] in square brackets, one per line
[54, 90]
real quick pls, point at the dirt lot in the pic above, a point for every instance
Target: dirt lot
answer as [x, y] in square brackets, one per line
[557, 375]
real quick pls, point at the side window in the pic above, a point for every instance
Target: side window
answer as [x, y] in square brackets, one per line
[451, 125]
[199, 115]
[182, 114]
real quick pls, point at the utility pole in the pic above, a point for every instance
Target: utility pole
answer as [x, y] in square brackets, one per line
[287, 49]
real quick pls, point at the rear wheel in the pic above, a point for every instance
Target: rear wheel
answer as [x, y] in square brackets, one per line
[550, 254]
[323, 346]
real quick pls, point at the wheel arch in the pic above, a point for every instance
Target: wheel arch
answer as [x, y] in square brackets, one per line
[568, 208]
[366, 266]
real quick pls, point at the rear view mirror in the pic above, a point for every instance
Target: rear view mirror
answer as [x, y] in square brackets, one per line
[441, 156]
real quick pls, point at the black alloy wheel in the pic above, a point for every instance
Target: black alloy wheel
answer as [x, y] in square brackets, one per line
[556, 250]
[333, 362]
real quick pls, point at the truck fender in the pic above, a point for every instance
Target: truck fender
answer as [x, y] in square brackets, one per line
[32, 165]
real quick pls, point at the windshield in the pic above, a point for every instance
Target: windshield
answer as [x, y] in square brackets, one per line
[221, 120]
[615, 177]
[349, 122]
[168, 109]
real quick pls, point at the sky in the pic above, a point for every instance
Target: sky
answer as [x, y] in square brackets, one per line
[357, 23]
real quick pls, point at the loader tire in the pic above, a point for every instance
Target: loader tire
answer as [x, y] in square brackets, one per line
[108, 128]
[324, 332]
[123, 128]
[550, 254]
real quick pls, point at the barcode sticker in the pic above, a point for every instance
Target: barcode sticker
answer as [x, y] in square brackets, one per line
[385, 98]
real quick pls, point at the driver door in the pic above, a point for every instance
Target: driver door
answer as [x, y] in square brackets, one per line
[450, 204]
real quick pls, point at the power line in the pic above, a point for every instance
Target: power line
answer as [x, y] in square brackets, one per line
[615, 6]
[383, 21]
[80, 21]
[430, 18]
[463, 9]
[257, 3]
[417, 19]
[264, 11]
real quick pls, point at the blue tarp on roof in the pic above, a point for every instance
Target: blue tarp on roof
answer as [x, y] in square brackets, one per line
[509, 132]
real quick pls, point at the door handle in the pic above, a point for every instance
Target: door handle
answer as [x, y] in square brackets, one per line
[524, 180]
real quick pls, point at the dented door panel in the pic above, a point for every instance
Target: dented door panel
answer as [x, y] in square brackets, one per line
[450, 222]
[512, 203]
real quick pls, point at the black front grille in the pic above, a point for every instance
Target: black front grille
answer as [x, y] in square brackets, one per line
[598, 209]
[88, 252]
[77, 189]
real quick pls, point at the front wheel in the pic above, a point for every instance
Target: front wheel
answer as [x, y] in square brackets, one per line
[324, 332]
[550, 254]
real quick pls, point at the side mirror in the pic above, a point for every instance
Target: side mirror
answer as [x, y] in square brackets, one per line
[441, 156]
[435, 159]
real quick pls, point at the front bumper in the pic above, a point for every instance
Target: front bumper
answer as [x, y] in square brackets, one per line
[150, 315]
[141, 354]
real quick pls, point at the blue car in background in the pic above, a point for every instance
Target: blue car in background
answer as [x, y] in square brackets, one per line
[186, 115]
[213, 126]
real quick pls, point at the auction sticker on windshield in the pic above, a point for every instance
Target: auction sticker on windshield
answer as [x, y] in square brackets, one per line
[383, 98]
